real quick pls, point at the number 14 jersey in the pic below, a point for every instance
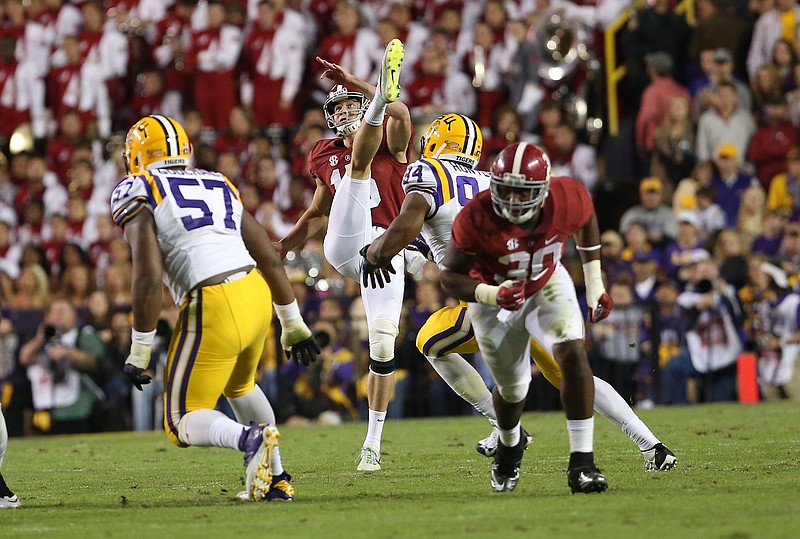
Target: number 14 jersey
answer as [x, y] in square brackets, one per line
[447, 186]
[198, 216]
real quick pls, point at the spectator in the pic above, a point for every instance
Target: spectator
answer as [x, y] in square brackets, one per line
[10, 252]
[76, 286]
[661, 337]
[273, 61]
[572, 158]
[771, 142]
[673, 143]
[769, 28]
[729, 182]
[645, 268]
[769, 241]
[710, 215]
[636, 242]
[612, 357]
[657, 217]
[767, 87]
[784, 189]
[494, 59]
[61, 360]
[712, 317]
[721, 70]
[19, 85]
[789, 253]
[31, 289]
[681, 254]
[777, 336]
[437, 90]
[718, 28]
[730, 255]
[611, 245]
[171, 41]
[212, 56]
[725, 122]
[784, 58]
[656, 99]
[71, 133]
[751, 213]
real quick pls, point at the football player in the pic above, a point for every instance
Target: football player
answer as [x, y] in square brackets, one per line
[511, 238]
[437, 187]
[188, 225]
[8, 499]
[359, 191]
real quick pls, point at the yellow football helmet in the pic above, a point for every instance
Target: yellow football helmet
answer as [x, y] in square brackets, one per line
[454, 137]
[156, 141]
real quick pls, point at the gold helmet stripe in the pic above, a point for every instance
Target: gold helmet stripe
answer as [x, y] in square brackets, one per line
[471, 138]
[170, 133]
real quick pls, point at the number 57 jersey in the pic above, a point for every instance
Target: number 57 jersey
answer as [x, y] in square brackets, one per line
[198, 216]
[447, 186]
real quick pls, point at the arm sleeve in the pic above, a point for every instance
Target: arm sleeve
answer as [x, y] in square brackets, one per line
[131, 196]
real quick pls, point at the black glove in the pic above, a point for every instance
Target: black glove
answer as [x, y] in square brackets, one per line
[304, 352]
[376, 276]
[136, 376]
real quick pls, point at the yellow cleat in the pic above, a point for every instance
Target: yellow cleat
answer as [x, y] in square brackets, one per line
[389, 79]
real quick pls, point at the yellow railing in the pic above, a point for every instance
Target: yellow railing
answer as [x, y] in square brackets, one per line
[614, 72]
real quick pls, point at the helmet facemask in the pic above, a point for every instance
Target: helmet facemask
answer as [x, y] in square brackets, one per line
[517, 199]
[344, 110]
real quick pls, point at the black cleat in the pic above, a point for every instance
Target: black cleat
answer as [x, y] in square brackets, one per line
[507, 460]
[586, 479]
[662, 459]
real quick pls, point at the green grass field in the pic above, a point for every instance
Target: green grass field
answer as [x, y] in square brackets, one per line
[738, 477]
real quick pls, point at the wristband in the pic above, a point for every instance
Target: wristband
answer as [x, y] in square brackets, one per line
[288, 312]
[143, 337]
[593, 278]
[486, 294]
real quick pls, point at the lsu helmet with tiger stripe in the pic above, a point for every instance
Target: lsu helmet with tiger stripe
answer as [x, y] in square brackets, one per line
[156, 141]
[453, 137]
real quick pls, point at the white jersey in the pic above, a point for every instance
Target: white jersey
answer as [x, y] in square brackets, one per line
[198, 217]
[447, 186]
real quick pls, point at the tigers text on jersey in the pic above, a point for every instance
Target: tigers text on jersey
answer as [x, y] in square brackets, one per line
[198, 216]
[508, 251]
[447, 186]
[327, 162]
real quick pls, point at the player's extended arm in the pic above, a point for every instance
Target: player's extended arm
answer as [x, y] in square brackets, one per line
[296, 338]
[312, 222]
[398, 128]
[140, 231]
[456, 281]
[587, 241]
[403, 230]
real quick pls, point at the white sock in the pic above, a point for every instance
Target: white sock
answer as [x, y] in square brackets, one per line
[465, 381]
[209, 428]
[581, 435]
[376, 110]
[375, 430]
[509, 438]
[611, 404]
[253, 406]
[277, 466]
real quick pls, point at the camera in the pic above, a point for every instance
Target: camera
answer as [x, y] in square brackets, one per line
[49, 332]
[57, 368]
[704, 286]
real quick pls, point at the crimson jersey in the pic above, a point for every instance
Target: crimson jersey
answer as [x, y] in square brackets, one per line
[508, 251]
[327, 162]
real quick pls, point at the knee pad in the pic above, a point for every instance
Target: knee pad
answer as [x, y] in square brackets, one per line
[513, 393]
[382, 334]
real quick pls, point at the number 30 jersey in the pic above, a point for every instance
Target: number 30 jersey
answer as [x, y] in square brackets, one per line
[447, 186]
[198, 216]
[509, 251]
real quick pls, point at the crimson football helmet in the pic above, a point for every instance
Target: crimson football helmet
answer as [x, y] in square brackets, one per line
[344, 119]
[520, 181]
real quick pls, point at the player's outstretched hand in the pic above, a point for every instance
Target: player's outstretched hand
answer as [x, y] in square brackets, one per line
[334, 72]
[298, 343]
[373, 276]
[602, 309]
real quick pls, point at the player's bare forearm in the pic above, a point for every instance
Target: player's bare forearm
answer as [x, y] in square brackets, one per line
[267, 260]
[403, 230]
[313, 221]
[587, 240]
[148, 269]
[454, 274]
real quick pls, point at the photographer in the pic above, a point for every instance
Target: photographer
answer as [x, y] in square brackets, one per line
[60, 360]
[712, 319]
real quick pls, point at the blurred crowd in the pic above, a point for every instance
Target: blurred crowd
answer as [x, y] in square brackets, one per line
[701, 247]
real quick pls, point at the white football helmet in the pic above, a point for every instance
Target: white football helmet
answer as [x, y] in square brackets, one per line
[343, 119]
